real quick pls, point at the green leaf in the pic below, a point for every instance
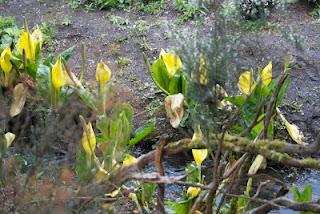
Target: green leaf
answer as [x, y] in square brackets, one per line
[43, 81]
[262, 90]
[6, 41]
[175, 85]
[237, 100]
[296, 193]
[87, 98]
[282, 91]
[122, 107]
[49, 60]
[65, 55]
[242, 203]
[184, 84]
[193, 173]
[83, 170]
[31, 69]
[179, 207]
[147, 192]
[142, 132]
[306, 195]
[160, 75]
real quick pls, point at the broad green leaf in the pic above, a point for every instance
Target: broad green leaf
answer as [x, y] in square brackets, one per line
[296, 193]
[160, 75]
[262, 91]
[179, 207]
[122, 107]
[282, 91]
[49, 60]
[142, 132]
[83, 170]
[175, 85]
[31, 69]
[148, 192]
[6, 41]
[193, 172]
[87, 98]
[236, 100]
[306, 195]
[66, 54]
[184, 84]
[44, 82]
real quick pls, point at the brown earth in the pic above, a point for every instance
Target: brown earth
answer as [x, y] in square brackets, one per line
[109, 42]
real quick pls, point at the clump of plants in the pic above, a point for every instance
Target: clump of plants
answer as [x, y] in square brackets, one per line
[232, 120]
[190, 9]
[151, 7]
[254, 9]
[104, 4]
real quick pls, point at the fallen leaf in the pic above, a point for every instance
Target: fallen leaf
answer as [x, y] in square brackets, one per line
[295, 133]
[66, 174]
[175, 109]
[19, 99]
[259, 162]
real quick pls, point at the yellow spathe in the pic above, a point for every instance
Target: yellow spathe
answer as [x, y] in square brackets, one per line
[172, 62]
[103, 73]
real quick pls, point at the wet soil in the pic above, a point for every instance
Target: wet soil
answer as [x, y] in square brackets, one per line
[113, 42]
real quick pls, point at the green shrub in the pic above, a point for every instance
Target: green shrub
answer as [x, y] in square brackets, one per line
[253, 9]
[104, 4]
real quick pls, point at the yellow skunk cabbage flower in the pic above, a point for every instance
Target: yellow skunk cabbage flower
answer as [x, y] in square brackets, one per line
[103, 73]
[9, 137]
[89, 140]
[266, 74]
[58, 75]
[28, 42]
[199, 155]
[172, 62]
[295, 133]
[197, 135]
[246, 83]
[5, 63]
[129, 160]
[193, 191]
[259, 162]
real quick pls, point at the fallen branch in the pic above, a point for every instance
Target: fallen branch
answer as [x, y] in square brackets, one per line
[313, 206]
[272, 150]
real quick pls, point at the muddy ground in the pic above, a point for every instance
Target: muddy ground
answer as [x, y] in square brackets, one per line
[114, 42]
